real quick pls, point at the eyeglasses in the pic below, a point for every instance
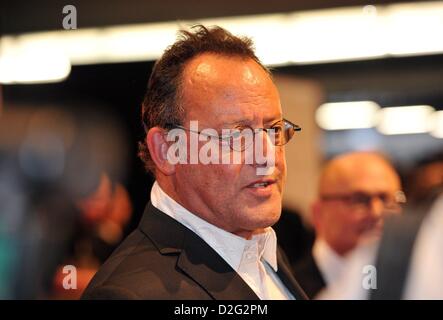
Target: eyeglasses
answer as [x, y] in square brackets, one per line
[242, 138]
[364, 200]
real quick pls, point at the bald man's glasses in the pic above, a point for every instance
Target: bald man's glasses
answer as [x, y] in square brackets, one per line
[365, 200]
[242, 138]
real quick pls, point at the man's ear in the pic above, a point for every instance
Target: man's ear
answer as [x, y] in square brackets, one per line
[158, 149]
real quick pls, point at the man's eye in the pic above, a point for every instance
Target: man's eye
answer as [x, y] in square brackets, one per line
[236, 133]
[240, 129]
[242, 132]
[277, 129]
[360, 198]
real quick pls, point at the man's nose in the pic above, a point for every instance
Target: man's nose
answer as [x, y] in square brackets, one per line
[263, 147]
[376, 207]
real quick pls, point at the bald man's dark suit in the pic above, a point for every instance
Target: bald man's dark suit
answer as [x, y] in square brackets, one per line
[309, 275]
[162, 259]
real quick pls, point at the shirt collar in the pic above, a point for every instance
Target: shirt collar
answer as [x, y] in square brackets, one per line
[231, 247]
[328, 261]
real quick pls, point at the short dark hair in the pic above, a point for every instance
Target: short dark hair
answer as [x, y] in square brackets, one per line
[161, 104]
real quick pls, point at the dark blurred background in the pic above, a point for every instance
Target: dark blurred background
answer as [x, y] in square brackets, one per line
[111, 95]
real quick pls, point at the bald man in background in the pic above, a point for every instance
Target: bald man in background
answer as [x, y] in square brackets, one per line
[356, 190]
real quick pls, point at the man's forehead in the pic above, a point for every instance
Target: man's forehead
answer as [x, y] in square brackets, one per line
[369, 174]
[230, 88]
[381, 179]
[215, 69]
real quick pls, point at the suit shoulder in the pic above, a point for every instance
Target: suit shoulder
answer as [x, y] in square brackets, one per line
[309, 275]
[137, 270]
[133, 248]
[109, 292]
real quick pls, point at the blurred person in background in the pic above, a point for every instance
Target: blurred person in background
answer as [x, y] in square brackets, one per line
[206, 232]
[425, 180]
[102, 219]
[49, 159]
[408, 259]
[356, 190]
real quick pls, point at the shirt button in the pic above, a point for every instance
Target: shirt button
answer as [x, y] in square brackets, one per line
[249, 256]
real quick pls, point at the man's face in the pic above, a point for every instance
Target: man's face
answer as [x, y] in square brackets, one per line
[227, 93]
[344, 222]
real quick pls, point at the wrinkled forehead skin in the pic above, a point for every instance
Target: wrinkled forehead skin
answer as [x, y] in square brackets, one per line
[219, 90]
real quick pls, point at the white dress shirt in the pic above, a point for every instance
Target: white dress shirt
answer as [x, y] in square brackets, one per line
[328, 261]
[255, 260]
[425, 275]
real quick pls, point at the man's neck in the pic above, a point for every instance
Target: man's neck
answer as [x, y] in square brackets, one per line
[168, 187]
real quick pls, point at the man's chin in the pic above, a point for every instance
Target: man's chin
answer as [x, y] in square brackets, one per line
[268, 219]
[371, 235]
[261, 214]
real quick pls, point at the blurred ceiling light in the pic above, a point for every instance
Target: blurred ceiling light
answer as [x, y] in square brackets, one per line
[405, 120]
[335, 35]
[269, 33]
[347, 115]
[414, 28]
[437, 124]
[119, 44]
[31, 62]
[315, 36]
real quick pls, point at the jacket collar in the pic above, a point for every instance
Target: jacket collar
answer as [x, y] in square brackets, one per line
[201, 263]
[286, 275]
[195, 257]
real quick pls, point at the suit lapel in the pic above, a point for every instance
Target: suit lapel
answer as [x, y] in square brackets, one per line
[166, 233]
[288, 279]
[206, 267]
[196, 258]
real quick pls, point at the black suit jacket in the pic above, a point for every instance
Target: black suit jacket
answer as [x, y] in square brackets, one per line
[309, 276]
[162, 259]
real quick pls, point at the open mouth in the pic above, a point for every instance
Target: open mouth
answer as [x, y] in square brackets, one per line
[261, 183]
[262, 188]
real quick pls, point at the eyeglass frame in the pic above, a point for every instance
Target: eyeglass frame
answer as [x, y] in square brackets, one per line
[399, 199]
[255, 130]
